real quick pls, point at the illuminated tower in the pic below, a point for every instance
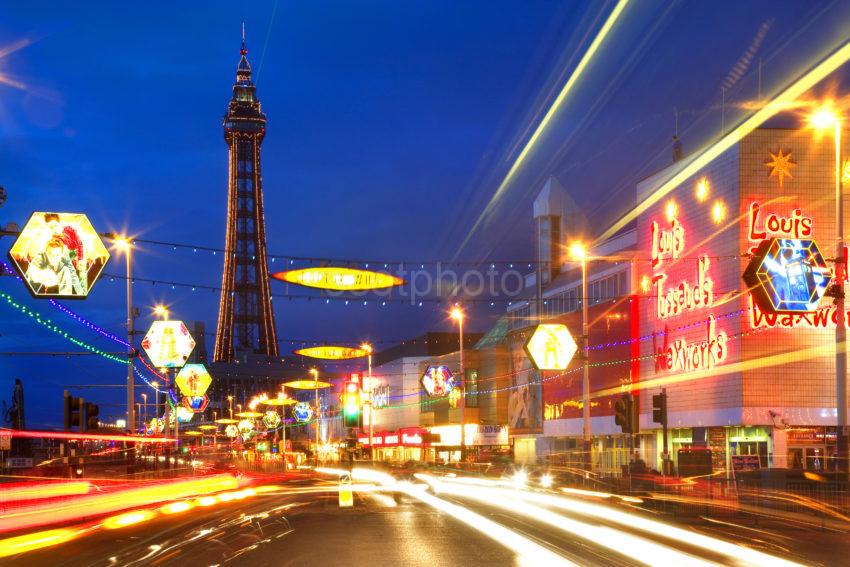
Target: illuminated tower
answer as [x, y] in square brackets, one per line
[245, 316]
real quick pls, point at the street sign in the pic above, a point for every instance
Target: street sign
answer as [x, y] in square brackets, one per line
[338, 278]
[59, 255]
[551, 347]
[168, 344]
[346, 496]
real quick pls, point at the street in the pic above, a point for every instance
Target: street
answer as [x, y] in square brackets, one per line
[430, 521]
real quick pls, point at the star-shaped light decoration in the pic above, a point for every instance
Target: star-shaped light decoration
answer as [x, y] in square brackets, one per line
[780, 165]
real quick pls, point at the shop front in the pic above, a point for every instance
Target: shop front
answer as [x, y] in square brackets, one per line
[483, 443]
[811, 448]
[401, 446]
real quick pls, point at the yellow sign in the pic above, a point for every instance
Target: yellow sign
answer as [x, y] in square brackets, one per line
[168, 344]
[346, 496]
[59, 255]
[332, 352]
[193, 380]
[551, 347]
[339, 279]
[307, 384]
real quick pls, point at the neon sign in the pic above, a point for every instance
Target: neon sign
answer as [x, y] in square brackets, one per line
[667, 244]
[787, 275]
[684, 296]
[680, 354]
[797, 225]
[702, 355]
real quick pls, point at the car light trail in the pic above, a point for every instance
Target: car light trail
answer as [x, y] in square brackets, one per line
[128, 519]
[38, 540]
[87, 436]
[529, 553]
[86, 506]
[781, 102]
[17, 492]
[711, 544]
[636, 548]
[553, 109]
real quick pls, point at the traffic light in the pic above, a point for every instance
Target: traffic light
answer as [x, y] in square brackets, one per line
[351, 404]
[627, 414]
[73, 412]
[659, 408]
[92, 412]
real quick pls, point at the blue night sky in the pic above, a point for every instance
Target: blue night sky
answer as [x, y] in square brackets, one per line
[390, 125]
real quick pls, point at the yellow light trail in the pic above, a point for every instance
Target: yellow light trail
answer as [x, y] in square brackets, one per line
[736, 553]
[553, 109]
[778, 104]
[30, 542]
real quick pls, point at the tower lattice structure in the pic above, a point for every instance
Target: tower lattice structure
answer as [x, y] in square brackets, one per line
[245, 317]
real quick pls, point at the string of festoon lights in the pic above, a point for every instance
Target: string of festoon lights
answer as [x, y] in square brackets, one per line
[291, 260]
[25, 311]
[85, 322]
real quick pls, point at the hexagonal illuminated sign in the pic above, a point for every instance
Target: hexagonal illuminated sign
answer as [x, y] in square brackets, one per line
[193, 380]
[438, 381]
[271, 419]
[551, 347]
[196, 403]
[168, 344]
[302, 412]
[59, 255]
[787, 275]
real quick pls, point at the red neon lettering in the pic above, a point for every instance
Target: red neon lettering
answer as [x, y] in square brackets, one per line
[667, 243]
[795, 226]
[683, 297]
[684, 356]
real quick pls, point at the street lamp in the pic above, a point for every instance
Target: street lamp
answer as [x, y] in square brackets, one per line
[368, 348]
[125, 245]
[230, 404]
[824, 118]
[161, 311]
[457, 314]
[315, 374]
[578, 252]
[145, 414]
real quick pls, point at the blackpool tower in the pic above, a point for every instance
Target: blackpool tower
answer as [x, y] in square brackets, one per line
[245, 316]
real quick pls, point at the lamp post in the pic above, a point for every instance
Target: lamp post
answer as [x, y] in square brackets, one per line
[230, 405]
[145, 414]
[457, 314]
[579, 253]
[368, 348]
[315, 374]
[161, 311]
[822, 119]
[126, 245]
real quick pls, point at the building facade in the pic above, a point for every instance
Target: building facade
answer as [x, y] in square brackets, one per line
[741, 382]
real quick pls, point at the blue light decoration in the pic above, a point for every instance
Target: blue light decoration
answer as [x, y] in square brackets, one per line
[438, 381]
[196, 403]
[302, 412]
[787, 275]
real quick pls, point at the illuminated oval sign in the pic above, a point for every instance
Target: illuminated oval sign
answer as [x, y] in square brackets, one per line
[339, 279]
[330, 352]
[787, 275]
[59, 255]
[438, 381]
